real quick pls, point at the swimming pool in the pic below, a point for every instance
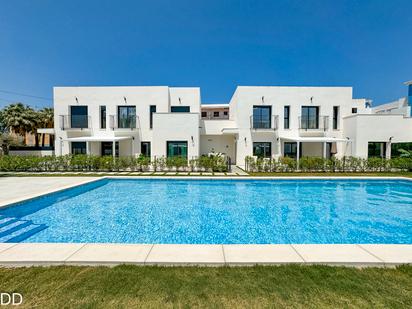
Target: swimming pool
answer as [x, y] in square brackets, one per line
[200, 211]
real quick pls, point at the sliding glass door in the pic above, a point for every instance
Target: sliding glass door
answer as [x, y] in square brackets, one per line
[310, 117]
[177, 149]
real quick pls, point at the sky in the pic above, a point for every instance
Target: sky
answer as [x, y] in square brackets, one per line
[214, 45]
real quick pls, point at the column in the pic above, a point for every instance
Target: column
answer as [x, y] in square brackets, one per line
[324, 150]
[114, 149]
[297, 154]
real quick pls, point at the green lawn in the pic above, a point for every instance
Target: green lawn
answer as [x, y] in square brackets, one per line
[261, 286]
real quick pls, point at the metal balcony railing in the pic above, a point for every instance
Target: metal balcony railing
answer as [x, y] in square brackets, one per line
[127, 123]
[73, 122]
[264, 123]
[320, 123]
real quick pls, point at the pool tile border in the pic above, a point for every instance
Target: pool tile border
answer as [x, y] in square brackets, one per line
[356, 255]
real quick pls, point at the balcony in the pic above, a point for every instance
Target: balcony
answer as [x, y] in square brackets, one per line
[125, 123]
[75, 122]
[315, 125]
[264, 123]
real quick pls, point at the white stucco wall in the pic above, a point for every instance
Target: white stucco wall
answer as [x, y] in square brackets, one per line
[362, 129]
[141, 97]
[176, 127]
[277, 97]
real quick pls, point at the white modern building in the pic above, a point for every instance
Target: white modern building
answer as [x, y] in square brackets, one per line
[258, 121]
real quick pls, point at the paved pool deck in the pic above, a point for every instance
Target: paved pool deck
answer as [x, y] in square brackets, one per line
[17, 189]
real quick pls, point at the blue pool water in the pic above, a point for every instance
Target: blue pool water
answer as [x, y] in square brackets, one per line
[217, 211]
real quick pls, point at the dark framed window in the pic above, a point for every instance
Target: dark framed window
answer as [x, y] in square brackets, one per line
[309, 117]
[225, 113]
[396, 149]
[107, 148]
[262, 117]
[290, 149]
[216, 114]
[152, 111]
[262, 149]
[126, 117]
[180, 109]
[102, 117]
[204, 114]
[177, 149]
[78, 116]
[335, 117]
[354, 110]
[79, 148]
[286, 117]
[145, 149]
[376, 150]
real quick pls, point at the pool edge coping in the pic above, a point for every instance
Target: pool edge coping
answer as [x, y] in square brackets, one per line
[26, 198]
[360, 255]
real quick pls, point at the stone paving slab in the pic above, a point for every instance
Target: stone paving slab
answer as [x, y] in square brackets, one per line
[260, 254]
[186, 255]
[4, 246]
[336, 254]
[391, 254]
[38, 253]
[16, 189]
[111, 253]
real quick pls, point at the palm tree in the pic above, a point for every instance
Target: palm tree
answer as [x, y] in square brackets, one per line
[46, 120]
[19, 118]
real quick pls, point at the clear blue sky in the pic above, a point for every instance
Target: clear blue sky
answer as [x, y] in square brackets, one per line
[215, 45]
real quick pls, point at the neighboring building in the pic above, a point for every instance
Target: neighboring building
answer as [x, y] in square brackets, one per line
[261, 121]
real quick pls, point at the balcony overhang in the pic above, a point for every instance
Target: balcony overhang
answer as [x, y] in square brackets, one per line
[230, 131]
[313, 139]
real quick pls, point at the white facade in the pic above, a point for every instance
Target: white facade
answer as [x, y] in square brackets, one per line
[311, 121]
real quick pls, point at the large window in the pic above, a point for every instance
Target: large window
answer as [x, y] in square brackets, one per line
[107, 148]
[152, 111]
[396, 149]
[286, 117]
[102, 117]
[126, 117]
[335, 117]
[78, 148]
[290, 150]
[177, 149]
[78, 117]
[376, 150]
[145, 149]
[310, 117]
[262, 149]
[262, 117]
[180, 109]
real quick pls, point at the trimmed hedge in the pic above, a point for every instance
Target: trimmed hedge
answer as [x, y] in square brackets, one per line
[317, 164]
[10, 163]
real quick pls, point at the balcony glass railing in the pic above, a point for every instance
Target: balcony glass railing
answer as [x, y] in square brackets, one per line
[314, 123]
[128, 122]
[264, 123]
[74, 122]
